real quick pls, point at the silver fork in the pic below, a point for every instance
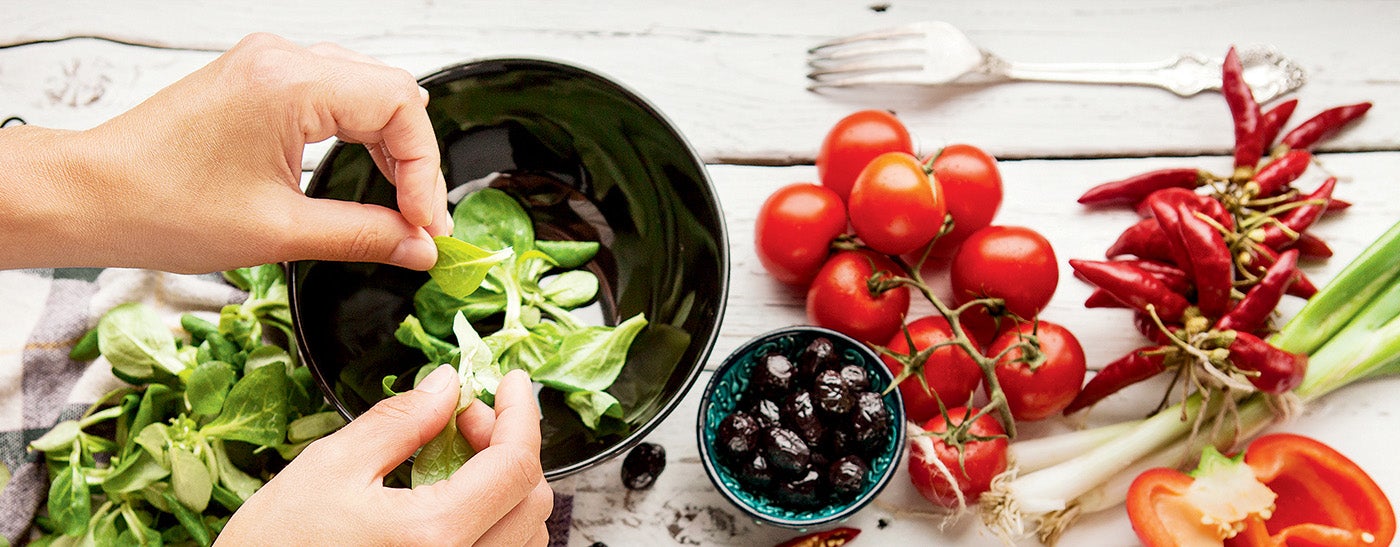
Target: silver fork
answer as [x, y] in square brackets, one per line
[935, 52]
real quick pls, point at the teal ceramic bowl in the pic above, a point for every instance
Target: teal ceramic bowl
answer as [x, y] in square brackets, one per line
[589, 160]
[725, 393]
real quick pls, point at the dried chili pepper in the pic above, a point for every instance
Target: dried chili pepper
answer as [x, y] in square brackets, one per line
[1138, 365]
[1325, 124]
[1133, 287]
[1149, 329]
[1276, 175]
[1212, 265]
[835, 537]
[1311, 246]
[1275, 371]
[1169, 218]
[1144, 240]
[1335, 205]
[1100, 298]
[1249, 137]
[1263, 257]
[1133, 189]
[1299, 218]
[1161, 270]
[1205, 204]
[1273, 120]
[1252, 312]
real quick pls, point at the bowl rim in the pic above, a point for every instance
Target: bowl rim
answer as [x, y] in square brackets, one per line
[707, 458]
[709, 195]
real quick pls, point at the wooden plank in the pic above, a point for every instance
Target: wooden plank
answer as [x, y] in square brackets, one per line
[730, 74]
[683, 508]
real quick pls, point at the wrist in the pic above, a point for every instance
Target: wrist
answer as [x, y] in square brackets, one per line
[46, 176]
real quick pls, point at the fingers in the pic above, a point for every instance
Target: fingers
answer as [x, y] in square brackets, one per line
[517, 414]
[379, 440]
[541, 537]
[476, 424]
[523, 523]
[497, 479]
[378, 104]
[344, 231]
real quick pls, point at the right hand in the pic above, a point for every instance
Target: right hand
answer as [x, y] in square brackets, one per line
[334, 493]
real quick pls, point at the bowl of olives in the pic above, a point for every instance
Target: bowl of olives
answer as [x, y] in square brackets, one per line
[796, 430]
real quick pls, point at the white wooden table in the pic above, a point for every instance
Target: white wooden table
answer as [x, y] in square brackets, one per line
[730, 73]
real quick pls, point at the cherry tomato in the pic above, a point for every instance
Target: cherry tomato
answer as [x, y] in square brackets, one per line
[895, 206]
[972, 189]
[840, 298]
[981, 460]
[793, 233]
[1044, 386]
[949, 371]
[853, 142]
[1012, 263]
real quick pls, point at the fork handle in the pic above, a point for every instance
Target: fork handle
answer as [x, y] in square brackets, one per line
[1185, 75]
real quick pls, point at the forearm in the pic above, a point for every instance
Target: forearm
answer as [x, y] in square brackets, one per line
[46, 183]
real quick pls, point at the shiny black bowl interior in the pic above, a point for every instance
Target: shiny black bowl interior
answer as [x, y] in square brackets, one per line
[589, 160]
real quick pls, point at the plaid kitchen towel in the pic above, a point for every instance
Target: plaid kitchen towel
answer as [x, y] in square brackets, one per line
[43, 313]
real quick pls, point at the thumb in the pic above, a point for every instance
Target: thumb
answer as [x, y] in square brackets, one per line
[345, 231]
[381, 439]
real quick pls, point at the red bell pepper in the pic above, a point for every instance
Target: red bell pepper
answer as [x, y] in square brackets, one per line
[1285, 490]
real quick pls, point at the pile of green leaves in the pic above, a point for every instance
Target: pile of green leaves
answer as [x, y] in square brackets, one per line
[202, 425]
[492, 266]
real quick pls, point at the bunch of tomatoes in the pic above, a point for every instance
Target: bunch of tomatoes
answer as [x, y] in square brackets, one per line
[858, 242]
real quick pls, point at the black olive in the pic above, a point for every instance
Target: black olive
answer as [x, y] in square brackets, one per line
[784, 450]
[642, 465]
[800, 492]
[857, 380]
[831, 395]
[772, 377]
[767, 413]
[847, 475]
[800, 415]
[756, 472]
[737, 435]
[819, 355]
[870, 421]
[840, 441]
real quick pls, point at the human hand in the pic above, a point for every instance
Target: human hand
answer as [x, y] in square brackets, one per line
[205, 175]
[333, 493]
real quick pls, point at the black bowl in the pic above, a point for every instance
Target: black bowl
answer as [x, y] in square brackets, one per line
[589, 160]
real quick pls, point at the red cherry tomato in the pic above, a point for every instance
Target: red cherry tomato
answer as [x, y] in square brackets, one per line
[1045, 386]
[793, 233]
[949, 371]
[972, 189]
[840, 298]
[853, 142]
[1012, 263]
[895, 206]
[981, 461]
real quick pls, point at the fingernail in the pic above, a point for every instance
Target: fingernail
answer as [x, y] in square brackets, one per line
[416, 252]
[423, 92]
[437, 380]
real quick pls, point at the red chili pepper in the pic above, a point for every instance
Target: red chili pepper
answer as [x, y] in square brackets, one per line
[1276, 175]
[835, 537]
[1149, 329]
[1133, 287]
[1249, 136]
[1169, 275]
[1169, 218]
[1212, 265]
[1133, 189]
[1252, 312]
[1278, 370]
[1144, 240]
[1300, 218]
[1205, 204]
[1312, 494]
[1301, 286]
[1336, 205]
[1311, 246]
[1273, 120]
[1100, 298]
[1325, 124]
[1161, 270]
[1129, 369]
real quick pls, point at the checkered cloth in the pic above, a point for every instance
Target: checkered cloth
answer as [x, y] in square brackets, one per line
[42, 314]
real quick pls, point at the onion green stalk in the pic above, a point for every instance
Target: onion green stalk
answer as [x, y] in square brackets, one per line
[1350, 330]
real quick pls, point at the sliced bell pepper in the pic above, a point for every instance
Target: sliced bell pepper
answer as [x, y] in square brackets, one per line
[1285, 490]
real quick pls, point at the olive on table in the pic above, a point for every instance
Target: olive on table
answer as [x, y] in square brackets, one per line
[642, 465]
